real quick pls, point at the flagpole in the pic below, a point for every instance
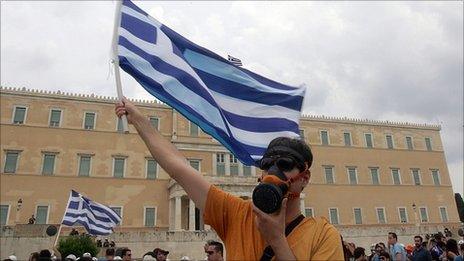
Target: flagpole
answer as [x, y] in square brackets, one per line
[115, 60]
[57, 236]
[61, 223]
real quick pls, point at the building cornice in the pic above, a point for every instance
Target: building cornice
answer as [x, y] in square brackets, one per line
[76, 96]
[386, 123]
[155, 103]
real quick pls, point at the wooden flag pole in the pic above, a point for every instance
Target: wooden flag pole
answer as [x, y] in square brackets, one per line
[115, 60]
[61, 223]
[57, 236]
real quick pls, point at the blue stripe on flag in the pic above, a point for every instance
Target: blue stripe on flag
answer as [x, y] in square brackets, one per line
[93, 207]
[186, 79]
[133, 6]
[156, 90]
[260, 124]
[73, 205]
[144, 31]
[227, 71]
[197, 82]
[89, 230]
[89, 220]
[97, 218]
[248, 93]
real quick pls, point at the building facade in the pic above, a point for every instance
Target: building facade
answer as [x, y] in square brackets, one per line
[365, 173]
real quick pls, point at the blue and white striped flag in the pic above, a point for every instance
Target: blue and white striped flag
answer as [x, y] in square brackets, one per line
[242, 110]
[97, 218]
[234, 61]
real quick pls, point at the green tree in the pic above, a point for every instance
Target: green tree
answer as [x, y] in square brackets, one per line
[459, 205]
[77, 245]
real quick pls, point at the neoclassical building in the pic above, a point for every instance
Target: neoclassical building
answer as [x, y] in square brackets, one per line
[365, 172]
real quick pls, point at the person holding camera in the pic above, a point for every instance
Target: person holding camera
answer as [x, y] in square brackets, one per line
[271, 226]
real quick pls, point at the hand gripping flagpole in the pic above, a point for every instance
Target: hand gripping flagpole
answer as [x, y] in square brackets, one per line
[115, 60]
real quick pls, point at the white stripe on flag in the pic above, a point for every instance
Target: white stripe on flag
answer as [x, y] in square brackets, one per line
[91, 218]
[223, 99]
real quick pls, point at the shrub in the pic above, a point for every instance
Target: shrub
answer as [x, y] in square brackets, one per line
[77, 245]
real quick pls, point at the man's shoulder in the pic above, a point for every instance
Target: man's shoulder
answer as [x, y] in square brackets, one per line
[319, 225]
[318, 221]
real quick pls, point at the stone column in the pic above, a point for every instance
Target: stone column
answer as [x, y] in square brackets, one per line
[174, 124]
[253, 171]
[214, 164]
[177, 213]
[240, 169]
[227, 163]
[171, 214]
[302, 202]
[191, 215]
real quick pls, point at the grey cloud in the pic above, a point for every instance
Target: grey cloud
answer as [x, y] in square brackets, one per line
[395, 61]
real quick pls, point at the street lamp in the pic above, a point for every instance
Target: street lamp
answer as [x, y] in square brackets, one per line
[414, 207]
[20, 204]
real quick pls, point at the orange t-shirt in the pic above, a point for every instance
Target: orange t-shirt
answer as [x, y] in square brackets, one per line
[233, 220]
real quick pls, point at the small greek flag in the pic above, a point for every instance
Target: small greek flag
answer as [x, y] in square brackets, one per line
[242, 110]
[234, 61]
[97, 218]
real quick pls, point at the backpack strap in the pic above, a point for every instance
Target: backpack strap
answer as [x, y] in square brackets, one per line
[268, 253]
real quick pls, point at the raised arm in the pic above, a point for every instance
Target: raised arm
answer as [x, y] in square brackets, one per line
[167, 155]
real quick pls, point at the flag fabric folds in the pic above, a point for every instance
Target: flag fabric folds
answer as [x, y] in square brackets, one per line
[234, 61]
[242, 110]
[97, 218]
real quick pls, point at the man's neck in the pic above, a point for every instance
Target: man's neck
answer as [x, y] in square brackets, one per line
[293, 210]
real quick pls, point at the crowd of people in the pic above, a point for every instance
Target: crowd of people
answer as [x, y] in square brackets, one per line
[436, 247]
[214, 251]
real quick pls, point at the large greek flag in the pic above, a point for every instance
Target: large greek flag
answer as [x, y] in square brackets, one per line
[97, 218]
[242, 110]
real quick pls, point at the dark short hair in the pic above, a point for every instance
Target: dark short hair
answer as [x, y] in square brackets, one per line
[359, 252]
[34, 255]
[124, 251]
[297, 149]
[217, 246]
[110, 252]
[419, 237]
[45, 255]
[452, 245]
[393, 234]
[150, 253]
[384, 254]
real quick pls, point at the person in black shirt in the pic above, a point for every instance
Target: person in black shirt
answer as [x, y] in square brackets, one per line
[420, 253]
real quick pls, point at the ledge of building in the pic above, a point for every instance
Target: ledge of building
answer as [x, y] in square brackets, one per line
[150, 103]
[145, 234]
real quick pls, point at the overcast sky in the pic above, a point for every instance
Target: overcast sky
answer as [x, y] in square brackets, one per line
[398, 61]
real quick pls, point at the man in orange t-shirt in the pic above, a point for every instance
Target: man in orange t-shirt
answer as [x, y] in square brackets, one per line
[246, 230]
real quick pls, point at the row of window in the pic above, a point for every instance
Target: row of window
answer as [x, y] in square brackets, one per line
[381, 215]
[42, 213]
[352, 173]
[119, 165]
[151, 168]
[369, 140]
[90, 118]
